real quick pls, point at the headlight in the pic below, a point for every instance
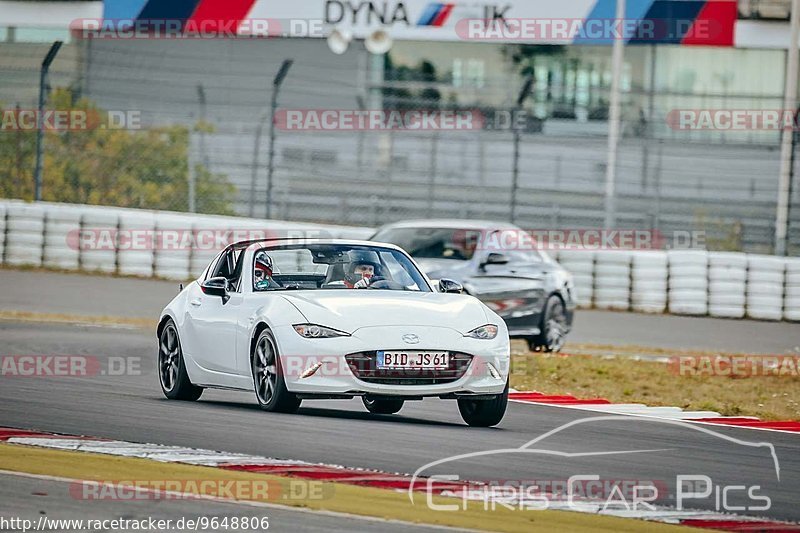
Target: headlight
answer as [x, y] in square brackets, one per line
[313, 331]
[489, 331]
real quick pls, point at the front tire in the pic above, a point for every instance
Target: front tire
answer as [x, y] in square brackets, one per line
[484, 413]
[172, 375]
[382, 406]
[554, 327]
[268, 380]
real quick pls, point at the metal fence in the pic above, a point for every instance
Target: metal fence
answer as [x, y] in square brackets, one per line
[210, 100]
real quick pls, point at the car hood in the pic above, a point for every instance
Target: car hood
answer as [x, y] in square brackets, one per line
[349, 310]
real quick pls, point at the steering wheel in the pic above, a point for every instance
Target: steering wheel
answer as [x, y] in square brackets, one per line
[384, 283]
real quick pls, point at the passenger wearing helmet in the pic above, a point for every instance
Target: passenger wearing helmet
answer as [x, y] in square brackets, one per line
[262, 272]
[364, 268]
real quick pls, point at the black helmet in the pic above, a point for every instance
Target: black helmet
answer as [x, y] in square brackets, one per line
[361, 257]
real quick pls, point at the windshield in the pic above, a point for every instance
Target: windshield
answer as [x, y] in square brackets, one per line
[462, 244]
[433, 243]
[334, 266]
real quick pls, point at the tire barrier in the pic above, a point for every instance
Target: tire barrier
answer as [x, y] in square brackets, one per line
[727, 283]
[61, 225]
[688, 282]
[24, 234]
[97, 239]
[135, 255]
[649, 275]
[765, 279]
[612, 280]
[2, 231]
[172, 260]
[581, 264]
[791, 295]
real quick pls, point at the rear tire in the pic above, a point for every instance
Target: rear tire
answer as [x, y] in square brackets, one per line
[484, 413]
[554, 327]
[268, 380]
[172, 375]
[382, 407]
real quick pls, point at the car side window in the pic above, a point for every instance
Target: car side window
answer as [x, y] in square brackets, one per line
[523, 256]
[236, 276]
[230, 267]
[517, 257]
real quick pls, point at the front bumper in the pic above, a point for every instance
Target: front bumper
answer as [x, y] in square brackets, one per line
[524, 319]
[334, 375]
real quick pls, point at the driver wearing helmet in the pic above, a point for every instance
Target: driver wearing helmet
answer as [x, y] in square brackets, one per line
[262, 272]
[364, 268]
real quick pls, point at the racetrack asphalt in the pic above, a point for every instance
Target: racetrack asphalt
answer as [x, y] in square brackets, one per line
[63, 293]
[131, 407]
[30, 498]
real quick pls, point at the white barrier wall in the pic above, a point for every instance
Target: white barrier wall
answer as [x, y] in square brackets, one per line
[172, 259]
[765, 287]
[581, 264]
[97, 247]
[2, 230]
[133, 241]
[791, 297]
[649, 275]
[688, 282]
[612, 279]
[61, 232]
[727, 284]
[24, 234]
[135, 256]
[720, 284]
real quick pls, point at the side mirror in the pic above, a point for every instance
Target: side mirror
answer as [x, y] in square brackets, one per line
[449, 286]
[216, 287]
[494, 258]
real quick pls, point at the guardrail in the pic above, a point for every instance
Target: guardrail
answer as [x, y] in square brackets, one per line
[685, 282]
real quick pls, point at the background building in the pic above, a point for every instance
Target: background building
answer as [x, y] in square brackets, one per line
[723, 182]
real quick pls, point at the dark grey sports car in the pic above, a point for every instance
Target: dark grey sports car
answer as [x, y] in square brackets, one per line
[496, 263]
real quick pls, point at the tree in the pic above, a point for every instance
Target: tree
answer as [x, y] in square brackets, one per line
[146, 168]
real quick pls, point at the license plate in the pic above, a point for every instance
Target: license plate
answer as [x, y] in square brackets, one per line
[413, 359]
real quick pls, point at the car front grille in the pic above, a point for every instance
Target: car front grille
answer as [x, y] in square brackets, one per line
[365, 367]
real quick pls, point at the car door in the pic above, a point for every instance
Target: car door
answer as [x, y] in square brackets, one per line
[514, 289]
[213, 319]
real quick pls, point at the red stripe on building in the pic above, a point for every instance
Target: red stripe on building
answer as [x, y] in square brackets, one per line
[217, 12]
[714, 25]
[441, 17]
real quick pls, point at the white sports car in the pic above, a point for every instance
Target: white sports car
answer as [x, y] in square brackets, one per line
[321, 319]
